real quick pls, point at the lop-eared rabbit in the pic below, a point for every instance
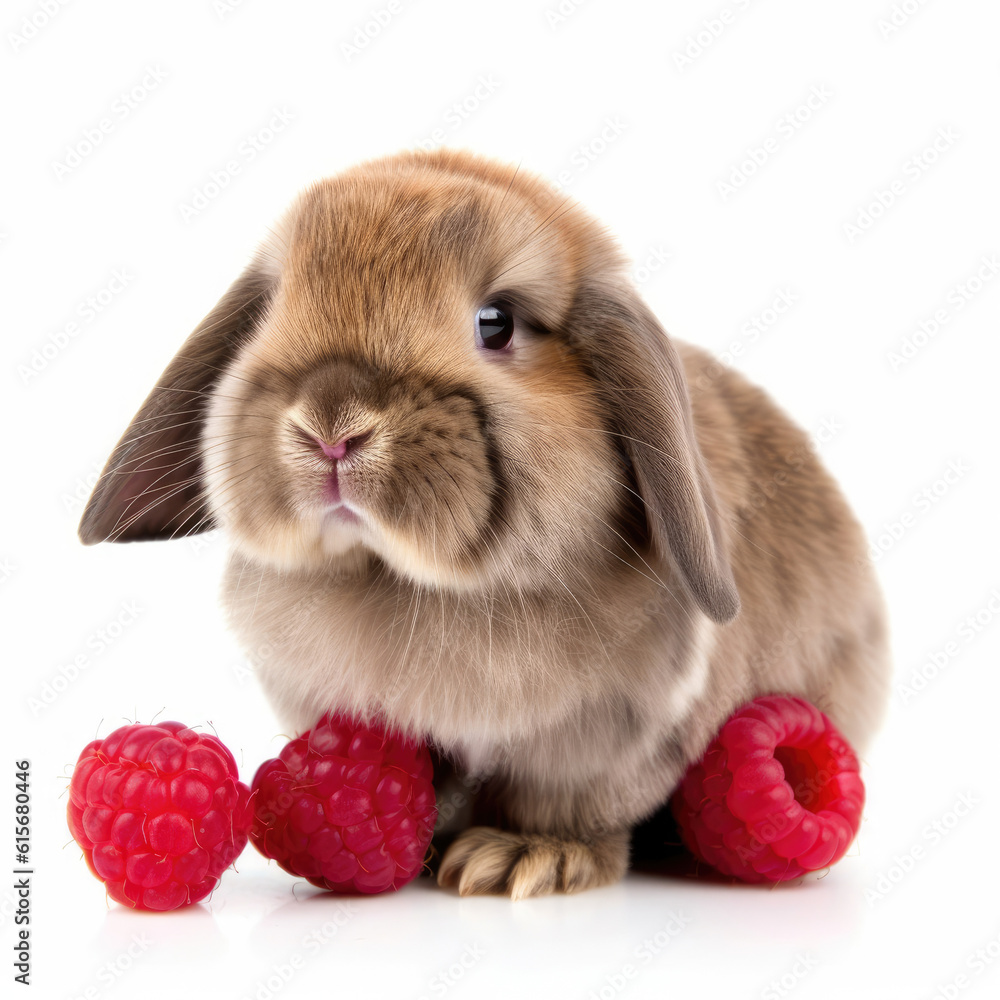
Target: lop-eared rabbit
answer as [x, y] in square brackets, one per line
[473, 490]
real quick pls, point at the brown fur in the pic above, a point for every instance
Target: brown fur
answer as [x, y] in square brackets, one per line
[544, 579]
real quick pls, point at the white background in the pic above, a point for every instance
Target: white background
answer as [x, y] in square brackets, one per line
[906, 912]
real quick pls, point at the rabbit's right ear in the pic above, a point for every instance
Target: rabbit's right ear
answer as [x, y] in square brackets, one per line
[152, 484]
[641, 378]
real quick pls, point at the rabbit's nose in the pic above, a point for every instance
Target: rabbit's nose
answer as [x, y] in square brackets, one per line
[344, 447]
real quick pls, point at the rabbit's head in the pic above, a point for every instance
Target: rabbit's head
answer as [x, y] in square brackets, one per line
[438, 362]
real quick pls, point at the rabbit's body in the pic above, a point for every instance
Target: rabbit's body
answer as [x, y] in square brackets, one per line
[527, 554]
[613, 690]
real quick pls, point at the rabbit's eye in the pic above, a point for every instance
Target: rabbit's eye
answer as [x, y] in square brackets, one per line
[494, 327]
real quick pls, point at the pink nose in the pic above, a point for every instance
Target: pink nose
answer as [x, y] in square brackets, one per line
[343, 446]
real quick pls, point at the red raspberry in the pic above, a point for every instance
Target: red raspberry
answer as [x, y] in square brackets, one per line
[348, 807]
[159, 813]
[777, 794]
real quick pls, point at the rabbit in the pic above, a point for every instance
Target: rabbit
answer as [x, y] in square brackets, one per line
[473, 489]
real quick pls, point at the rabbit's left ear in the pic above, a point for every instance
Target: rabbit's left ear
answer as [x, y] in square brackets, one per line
[641, 379]
[152, 485]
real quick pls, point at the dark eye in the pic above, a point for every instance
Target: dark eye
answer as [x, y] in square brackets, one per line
[494, 327]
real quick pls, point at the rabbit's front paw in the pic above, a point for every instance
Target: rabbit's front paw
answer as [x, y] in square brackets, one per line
[519, 865]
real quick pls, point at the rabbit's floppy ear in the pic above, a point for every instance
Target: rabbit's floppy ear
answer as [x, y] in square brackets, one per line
[640, 377]
[152, 486]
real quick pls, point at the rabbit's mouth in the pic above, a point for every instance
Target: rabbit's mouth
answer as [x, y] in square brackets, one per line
[340, 513]
[340, 518]
[339, 530]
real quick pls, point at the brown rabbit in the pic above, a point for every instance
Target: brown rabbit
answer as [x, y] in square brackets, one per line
[473, 488]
